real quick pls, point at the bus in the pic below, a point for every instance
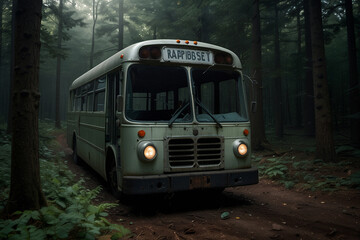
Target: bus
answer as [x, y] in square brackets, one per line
[163, 116]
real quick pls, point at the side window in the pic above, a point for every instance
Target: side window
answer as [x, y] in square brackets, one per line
[90, 97]
[83, 103]
[90, 102]
[77, 104]
[99, 100]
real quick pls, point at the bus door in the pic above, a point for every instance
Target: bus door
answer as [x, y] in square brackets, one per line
[112, 92]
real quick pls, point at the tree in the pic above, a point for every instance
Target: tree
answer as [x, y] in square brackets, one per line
[25, 187]
[354, 93]
[121, 25]
[58, 65]
[58, 21]
[279, 124]
[95, 17]
[309, 115]
[9, 121]
[112, 23]
[323, 123]
[257, 118]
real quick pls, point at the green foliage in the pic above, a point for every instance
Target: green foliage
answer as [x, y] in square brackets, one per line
[310, 174]
[70, 211]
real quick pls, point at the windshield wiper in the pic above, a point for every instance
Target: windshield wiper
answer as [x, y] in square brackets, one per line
[197, 101]
[177, 113]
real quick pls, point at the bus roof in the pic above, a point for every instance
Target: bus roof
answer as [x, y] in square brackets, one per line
[131, 54]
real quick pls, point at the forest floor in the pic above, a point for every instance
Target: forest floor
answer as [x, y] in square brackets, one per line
[267, 210]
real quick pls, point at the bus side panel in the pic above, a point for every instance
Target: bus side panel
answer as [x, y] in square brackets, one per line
[91, 146]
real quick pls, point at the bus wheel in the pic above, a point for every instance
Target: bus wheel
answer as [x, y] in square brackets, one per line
[75, 156]
[112, 179]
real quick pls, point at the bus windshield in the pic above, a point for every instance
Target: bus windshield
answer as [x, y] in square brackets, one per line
[219, 96]
[157, 94]
[162, 94]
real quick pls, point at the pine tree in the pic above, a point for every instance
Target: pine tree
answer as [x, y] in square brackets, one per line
[25, 187]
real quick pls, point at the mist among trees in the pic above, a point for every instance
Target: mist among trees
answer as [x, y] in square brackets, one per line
[300, 58]
[78, 34]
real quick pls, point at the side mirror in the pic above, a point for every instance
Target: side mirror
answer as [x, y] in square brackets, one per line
[253, 106]
[119, 103]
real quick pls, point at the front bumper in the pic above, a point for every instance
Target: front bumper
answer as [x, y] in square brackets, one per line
[188, 181]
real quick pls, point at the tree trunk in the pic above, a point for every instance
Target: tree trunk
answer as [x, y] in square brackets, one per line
[25, 187]
[278, 106]
[3, 81]
[58, 66]
[309, 114]
[299, 65]
[12, 54]
[121, 25]
[257, 118]
[354, 94]
[323, 123]
[1, 33]
[95, 16]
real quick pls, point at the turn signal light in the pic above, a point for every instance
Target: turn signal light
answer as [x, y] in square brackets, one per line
[155, 53]
[223, 58]
[150, 52]
[141, 133]
[246, 132]
[144, 52]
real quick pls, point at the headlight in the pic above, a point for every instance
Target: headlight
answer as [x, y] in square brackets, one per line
[240, 148]
[150, 152]
[146, 151]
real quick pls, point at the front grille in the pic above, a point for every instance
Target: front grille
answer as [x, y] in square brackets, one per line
[195, 152]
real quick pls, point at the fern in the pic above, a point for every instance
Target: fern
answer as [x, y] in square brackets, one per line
[70, 211]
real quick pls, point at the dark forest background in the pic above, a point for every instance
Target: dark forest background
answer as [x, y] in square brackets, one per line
[78, 34]
[300, 64]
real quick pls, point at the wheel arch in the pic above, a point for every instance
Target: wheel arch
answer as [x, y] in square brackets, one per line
[111, 156]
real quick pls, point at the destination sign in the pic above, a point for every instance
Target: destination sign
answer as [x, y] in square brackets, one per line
[187, 56]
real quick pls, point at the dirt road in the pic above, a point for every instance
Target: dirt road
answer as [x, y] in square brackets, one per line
[262, 211]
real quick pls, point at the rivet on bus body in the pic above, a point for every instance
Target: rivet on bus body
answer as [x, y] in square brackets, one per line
[141, 133]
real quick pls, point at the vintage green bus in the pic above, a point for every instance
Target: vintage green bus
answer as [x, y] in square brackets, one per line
[163, 116]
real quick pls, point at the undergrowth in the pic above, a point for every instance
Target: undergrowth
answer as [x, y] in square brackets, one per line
[70, 212]
[293, 170]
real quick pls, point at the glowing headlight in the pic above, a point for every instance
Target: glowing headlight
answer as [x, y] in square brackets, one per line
[240, 148]
[150, 152]
[146, 151]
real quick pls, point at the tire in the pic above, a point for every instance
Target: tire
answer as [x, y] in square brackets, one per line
[75, 157]
[112, 180]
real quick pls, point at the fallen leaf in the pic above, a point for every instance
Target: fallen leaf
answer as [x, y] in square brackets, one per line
[225, 215]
